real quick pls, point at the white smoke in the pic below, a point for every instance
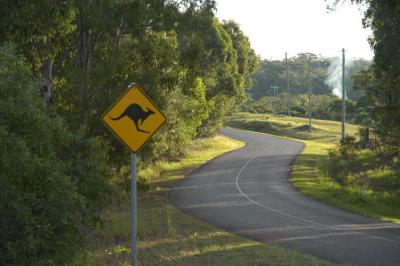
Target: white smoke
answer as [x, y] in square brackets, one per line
[334, 78]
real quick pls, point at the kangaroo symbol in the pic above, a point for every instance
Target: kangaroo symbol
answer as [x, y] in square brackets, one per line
[136, 113]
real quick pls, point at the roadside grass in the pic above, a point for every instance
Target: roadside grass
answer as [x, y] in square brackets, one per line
[166, 236]
[307, 177]
[307, 173]
[323, 131]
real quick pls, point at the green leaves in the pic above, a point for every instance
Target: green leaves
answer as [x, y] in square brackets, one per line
[193, 66]
[382, 81]
[38, 29]
[52, 181]
[38, 200]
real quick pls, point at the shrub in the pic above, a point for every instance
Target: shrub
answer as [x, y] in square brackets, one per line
[255, 125]
[351, 166]
[340, 164]
[368, 159]
[39, 205]
[86, 164]
[384, 179]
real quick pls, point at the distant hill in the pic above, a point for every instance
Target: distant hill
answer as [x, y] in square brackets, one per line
[273, 73]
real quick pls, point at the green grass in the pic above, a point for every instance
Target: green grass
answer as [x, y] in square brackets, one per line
[308, 179]
[169, 237]
[323, 131]
[306, 174]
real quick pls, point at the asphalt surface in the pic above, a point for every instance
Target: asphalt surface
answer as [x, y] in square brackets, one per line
[247, 192]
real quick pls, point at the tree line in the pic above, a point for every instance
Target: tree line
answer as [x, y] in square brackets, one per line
[62, 63]
[273, 73]
[371, 164]
[381, 80]
[326, 107]
[325, 104]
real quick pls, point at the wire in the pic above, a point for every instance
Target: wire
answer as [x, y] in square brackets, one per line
[315, 76]
[337, 72]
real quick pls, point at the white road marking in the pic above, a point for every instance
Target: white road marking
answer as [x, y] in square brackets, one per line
[294, 216]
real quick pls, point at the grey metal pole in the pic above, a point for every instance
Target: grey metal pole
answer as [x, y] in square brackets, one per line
[274, 88]
[343, 96]
[287, 83]
[275, 99]
[275, 103]
[133, 209]
[309, 93]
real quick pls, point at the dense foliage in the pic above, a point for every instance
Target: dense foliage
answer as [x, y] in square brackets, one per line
[374, 164]
[70, 61]
[51, 181]
[326, 107]
[382, 81]
[355, 166]
[383, 17]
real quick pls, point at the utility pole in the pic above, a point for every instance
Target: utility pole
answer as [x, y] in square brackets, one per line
[309, 93]
[287, 83]
[275, 103]
[343, 96]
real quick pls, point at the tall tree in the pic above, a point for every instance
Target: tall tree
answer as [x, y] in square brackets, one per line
[39, 29]
[383, 17]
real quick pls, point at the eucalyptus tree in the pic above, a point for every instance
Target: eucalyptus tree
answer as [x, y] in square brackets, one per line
[39, 29]
[383, 18]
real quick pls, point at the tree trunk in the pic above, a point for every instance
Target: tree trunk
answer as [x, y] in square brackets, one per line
[84, 54]
[118, 37]
[117, 41]
[46, 82]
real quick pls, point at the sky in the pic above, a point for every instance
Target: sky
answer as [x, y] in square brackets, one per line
[293, 26]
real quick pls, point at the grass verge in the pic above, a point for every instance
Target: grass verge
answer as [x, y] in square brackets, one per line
[307, 174]
[323, 131]
[307, 177]
[169, 237]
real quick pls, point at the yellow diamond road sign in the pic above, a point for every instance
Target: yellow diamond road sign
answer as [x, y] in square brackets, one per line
[134, 118]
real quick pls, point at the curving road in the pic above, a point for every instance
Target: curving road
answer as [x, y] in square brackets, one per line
[247, 192]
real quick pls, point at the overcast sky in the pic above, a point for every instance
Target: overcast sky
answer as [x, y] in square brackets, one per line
[276, 26]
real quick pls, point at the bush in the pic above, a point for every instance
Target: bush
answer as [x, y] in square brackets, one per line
[342, 162]
[86, 165]
[348, 165]
[384, 179]
[255, 125]
[348, 159]
[39, 205]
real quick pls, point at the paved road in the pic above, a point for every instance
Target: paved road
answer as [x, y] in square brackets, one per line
[247, 192]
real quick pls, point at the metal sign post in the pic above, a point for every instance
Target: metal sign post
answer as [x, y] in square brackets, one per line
[134, 118]
[133, 209]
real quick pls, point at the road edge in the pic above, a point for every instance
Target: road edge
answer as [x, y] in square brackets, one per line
[326, 197]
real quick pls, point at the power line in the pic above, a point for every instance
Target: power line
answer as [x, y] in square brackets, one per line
[337, 72]
[315, 76]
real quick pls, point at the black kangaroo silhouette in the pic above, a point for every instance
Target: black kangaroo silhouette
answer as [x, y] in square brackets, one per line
[136, 113]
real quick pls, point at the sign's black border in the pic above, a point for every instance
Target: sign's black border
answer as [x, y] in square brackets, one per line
[132, 86]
